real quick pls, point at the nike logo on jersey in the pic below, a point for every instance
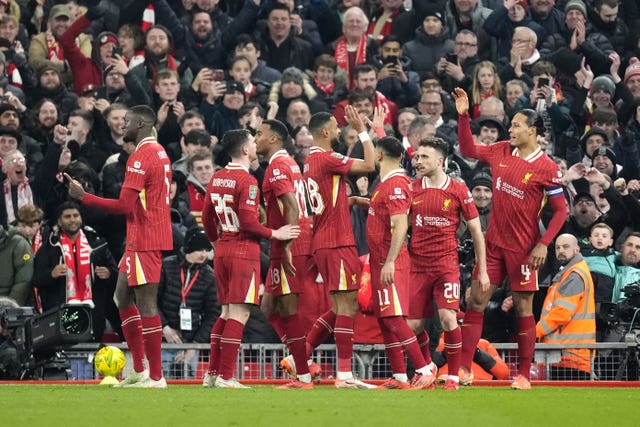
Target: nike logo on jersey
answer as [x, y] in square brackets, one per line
[524, 283]
[383, 308]
[449, 301]
[502, 165]
[417, 202]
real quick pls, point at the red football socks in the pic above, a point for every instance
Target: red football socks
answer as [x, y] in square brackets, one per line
[399, 327]
[453, 349]
[423, 343]
[296, 342]
[152, 337]
[214, 355]
[393, 349]
[229, 345]
[343, 335]
[132, 330]
[526, 344]
[278, 325]
[320, 331]
[471, 332]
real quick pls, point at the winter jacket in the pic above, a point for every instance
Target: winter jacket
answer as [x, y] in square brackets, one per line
[403, 94]
[596, 48]
[210, 53]
[16, 265]
[502, 28]
[486, 43]
[201, 299]
[425, 51]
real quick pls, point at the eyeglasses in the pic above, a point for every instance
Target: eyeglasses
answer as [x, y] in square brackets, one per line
[465, 44]
[520, 41]
[17, 161]
[115, 75]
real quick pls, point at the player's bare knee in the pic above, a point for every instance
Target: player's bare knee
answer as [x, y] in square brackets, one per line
[416, 325]
[448, 319]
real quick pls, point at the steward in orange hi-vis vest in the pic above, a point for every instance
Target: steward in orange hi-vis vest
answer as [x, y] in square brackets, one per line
[568, 314]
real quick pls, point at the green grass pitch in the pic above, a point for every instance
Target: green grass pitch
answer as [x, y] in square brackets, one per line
[93, 405]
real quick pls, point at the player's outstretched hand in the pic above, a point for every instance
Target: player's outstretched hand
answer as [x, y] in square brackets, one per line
[287, 232]
[462, 101]
[76, 190]
[353, 119]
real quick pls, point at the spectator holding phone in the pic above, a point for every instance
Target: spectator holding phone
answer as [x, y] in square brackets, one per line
[456, 69]
[396, 81]
[431, 41]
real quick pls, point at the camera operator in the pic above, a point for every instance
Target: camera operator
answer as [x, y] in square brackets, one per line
[9, 362]
[627, 271]
[74, 265]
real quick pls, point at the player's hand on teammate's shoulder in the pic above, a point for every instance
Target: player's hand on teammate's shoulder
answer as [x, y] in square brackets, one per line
[287, 232]
[462, 101]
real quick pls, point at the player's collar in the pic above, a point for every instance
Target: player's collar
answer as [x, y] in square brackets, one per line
[316, 149]
[146, 140]
[279, 153]
[392, 173]
[236, 166]
[537, 153]
[441, 186]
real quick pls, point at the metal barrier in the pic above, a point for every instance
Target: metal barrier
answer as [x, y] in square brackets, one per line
[609, 361]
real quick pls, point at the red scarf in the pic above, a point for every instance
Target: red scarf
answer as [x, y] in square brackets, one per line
[325, 88]
[342, 55]
[249, 90]
[78, 263]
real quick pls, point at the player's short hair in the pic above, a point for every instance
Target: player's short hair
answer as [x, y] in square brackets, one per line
[144, 112]
[198, 137]
[278, 128]
[69, 204]
[533, 119]
[233, 141]
[318, 121]
[438, 144]
[602, 225]
[390, 146]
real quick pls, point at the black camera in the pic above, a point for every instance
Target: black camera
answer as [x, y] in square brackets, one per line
[40, 339]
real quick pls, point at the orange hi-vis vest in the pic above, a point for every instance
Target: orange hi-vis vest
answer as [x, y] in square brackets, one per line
[570, 319]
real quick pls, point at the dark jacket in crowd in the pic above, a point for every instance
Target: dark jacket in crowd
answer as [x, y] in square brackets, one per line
[201, 299]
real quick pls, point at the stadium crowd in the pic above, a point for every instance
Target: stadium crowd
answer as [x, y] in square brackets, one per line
[70, 70]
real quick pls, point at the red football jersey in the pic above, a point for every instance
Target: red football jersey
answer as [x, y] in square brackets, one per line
[230, 190]
[149, 173]
[520, 190]
[283, 176]
[325, 173]
[435, 217]
[391, 197]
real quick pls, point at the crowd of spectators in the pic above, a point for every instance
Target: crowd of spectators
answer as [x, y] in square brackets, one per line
[69, 70]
